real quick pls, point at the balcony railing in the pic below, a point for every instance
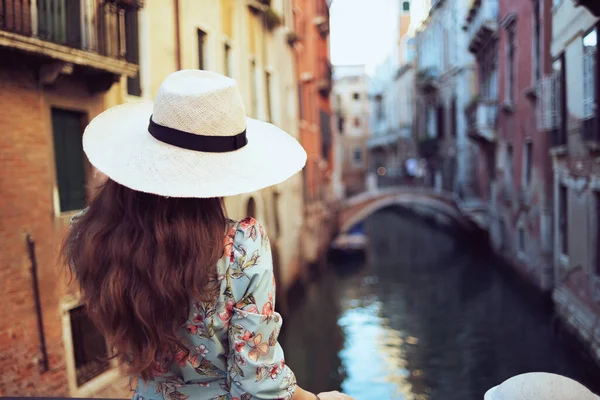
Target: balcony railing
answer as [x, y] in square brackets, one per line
[97, 27]
[324, 77]
[481, 120]
[481, 24]
[89, 33]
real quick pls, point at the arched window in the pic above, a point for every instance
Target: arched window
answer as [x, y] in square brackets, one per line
[251, 208]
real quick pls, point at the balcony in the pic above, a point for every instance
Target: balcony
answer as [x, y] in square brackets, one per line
[428, 79]
[481, 120]
[321, 19]
[325, 78]
[84, 36]
[481, 24]
[592, 5]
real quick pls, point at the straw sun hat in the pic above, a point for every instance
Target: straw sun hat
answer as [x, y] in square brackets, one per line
[193, 141]
[540, 386]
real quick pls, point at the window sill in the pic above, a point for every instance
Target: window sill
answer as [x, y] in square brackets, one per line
[97, 384]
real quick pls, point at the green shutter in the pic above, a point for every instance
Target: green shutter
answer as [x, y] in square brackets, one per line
[69, 159]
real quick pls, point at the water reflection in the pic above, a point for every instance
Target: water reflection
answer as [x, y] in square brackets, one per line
[428, 317]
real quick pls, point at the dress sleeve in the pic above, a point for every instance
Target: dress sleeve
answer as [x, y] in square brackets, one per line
[256, 363]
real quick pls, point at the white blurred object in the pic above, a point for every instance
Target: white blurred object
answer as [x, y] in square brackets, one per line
[412, 167]
[540, 386]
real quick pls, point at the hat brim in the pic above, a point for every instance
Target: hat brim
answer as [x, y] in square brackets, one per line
[118, 144]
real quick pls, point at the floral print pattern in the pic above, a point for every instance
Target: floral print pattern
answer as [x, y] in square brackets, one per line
[231, 350]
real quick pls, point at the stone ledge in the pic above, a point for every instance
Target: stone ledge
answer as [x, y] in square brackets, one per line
[67, 54]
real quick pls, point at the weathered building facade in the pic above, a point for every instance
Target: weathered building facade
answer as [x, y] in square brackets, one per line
[444, 86]
[60, 66]
[521, 214]
[572, 121]
[315, 81]
[391, 94]
[351, 110]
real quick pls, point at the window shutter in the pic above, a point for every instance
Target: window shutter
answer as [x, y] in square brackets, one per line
[69, 159]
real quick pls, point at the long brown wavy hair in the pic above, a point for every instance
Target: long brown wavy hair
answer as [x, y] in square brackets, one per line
[139, 259]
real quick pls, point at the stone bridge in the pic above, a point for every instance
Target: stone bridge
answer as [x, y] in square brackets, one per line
[355, 209]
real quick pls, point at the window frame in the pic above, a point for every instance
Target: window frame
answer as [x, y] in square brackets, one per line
[202, 42]
[528, 154]
[563, 212]
[102, 381]
[511, 70]
[357, 150]
[87, 167]
[537, 26]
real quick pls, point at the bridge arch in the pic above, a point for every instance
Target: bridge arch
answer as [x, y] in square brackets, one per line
[358, 209]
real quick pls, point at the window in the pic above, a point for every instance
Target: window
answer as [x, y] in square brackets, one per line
[563, 219]
[537, 41]
[89, 347]
[510, 64]
[453, 122]
[201, 49]
[251, 208]
[509, 167]
[406, 6]
[597, 266]
[67, 128]
[300, 101]
[379, 107]
[268, 96]
[340, 119]
[521, 240]
[325, 121]
[559, 103]
[356, 96]
[590, 42]
[254, 88]
[276, 196]
[356, 122]
[528, 154]
[133, 50]
[227, 60]
[357, 156]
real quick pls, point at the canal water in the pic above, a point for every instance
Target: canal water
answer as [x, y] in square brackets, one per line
[427, 316]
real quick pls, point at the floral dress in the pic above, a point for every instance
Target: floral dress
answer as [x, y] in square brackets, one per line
[233, 353]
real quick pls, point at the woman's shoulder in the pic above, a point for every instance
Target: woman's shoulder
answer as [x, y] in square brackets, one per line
[249, 243]
[246, 230]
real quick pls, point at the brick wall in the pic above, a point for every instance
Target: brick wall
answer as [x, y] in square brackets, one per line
[516, 126]
[26, 207]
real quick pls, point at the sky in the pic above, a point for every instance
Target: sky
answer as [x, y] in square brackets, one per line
[362, 31]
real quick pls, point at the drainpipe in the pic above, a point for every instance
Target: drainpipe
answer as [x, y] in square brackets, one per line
[38, 303]
[177, 35]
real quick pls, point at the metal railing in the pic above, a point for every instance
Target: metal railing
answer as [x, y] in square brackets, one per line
[90, 25]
